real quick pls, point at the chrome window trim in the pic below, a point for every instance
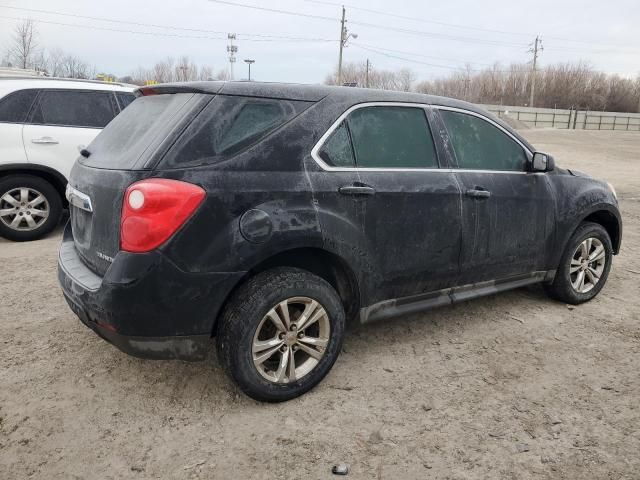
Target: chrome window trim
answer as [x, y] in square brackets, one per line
[329, 168]
[315, 151]
[78, 199]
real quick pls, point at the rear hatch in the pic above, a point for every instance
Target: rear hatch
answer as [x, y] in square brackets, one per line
[122, 154]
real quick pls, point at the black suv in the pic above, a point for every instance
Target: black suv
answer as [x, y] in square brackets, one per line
[266, 214]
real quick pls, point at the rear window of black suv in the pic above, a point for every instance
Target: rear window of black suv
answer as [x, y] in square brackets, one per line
[127, 137]
[228, 125]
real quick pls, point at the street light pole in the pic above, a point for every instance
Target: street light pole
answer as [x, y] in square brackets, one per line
[249, 61]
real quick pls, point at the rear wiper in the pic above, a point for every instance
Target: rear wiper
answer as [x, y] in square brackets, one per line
[85, 153]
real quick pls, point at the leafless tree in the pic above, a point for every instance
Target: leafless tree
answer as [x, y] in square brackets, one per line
[24, 44]
[168, 70]
[206, 73]
[567, 85]
[54, 62]
[74, 67]
[186, 70]
[223, 74]
[377, 78]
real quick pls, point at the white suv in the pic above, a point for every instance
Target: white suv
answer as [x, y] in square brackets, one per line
[44, 123]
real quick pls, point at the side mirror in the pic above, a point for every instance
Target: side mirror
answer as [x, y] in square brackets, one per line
[542, 162]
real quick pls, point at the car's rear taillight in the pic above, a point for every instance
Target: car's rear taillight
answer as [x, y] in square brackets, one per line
[155, 209]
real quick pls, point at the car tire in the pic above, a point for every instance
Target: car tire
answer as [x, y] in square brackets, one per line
[49, 210]
[563, 287]
[245, 322]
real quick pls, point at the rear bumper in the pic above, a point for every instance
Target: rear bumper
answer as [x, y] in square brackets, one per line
[145, 305]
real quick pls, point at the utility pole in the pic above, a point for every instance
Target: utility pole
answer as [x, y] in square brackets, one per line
[248, 61]
[232, 50]
[537, 48]
[344, 37]
[366, 75]
[343, 33]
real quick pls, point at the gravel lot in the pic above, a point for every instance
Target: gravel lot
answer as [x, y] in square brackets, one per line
[514, 386]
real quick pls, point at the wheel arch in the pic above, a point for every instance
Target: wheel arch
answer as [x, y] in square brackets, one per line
[610, 222]
[55, 178]
[321, 262]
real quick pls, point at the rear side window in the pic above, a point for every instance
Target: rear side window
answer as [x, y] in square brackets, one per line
[15, 106]
[392, 137]
[337, 150]
[124, 99]
[121, 144]
[481, 146]
[74, 108]
[228, 125]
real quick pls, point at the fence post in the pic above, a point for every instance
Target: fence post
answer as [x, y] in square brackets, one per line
[584, 124]
[535, 120]
[614, 122]
[569, 119]
[628, 118]
[600, 123]
[553, 119]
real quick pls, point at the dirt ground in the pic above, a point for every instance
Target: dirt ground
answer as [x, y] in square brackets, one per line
[514, 386]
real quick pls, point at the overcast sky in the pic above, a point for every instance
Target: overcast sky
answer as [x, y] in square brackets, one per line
[444, 34]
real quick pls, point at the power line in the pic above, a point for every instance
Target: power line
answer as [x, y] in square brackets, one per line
[262, 38]
[152, 25]
[421, 20]
[464, 27]
[275, 10]
[449, 67]
[390, 55]
[402, 52]
[374, 25]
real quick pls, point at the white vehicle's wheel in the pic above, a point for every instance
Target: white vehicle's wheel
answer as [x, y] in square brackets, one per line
[29, 207]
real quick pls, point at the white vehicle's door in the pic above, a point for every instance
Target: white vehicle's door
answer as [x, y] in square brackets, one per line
[64, 121]
[13, 112]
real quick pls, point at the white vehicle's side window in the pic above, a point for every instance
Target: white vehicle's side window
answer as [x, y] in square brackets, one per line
[74, 108]
[15, 106]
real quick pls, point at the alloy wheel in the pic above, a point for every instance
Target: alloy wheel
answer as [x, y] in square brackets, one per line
[291, 339]
[23, 209]
[587, 265]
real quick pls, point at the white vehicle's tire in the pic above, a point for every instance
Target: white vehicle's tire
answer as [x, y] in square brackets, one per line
[30, 207]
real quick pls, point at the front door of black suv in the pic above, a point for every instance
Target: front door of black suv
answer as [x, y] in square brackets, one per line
[508, 211]
[408, 209]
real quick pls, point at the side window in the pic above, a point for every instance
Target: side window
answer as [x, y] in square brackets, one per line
[229, 124]
[481, 146]
[74, 108]
[392, 137]
[124, 99]
[337, 150]
[15, 106]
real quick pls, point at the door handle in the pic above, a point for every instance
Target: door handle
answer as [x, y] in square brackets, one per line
[356, 190]
[45, 141]
[478, 193]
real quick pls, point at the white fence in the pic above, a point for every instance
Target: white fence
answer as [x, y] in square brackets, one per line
[568, 119]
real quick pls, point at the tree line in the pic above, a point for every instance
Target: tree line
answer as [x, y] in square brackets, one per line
[564, 85]
[172, 70]
[26, 52]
